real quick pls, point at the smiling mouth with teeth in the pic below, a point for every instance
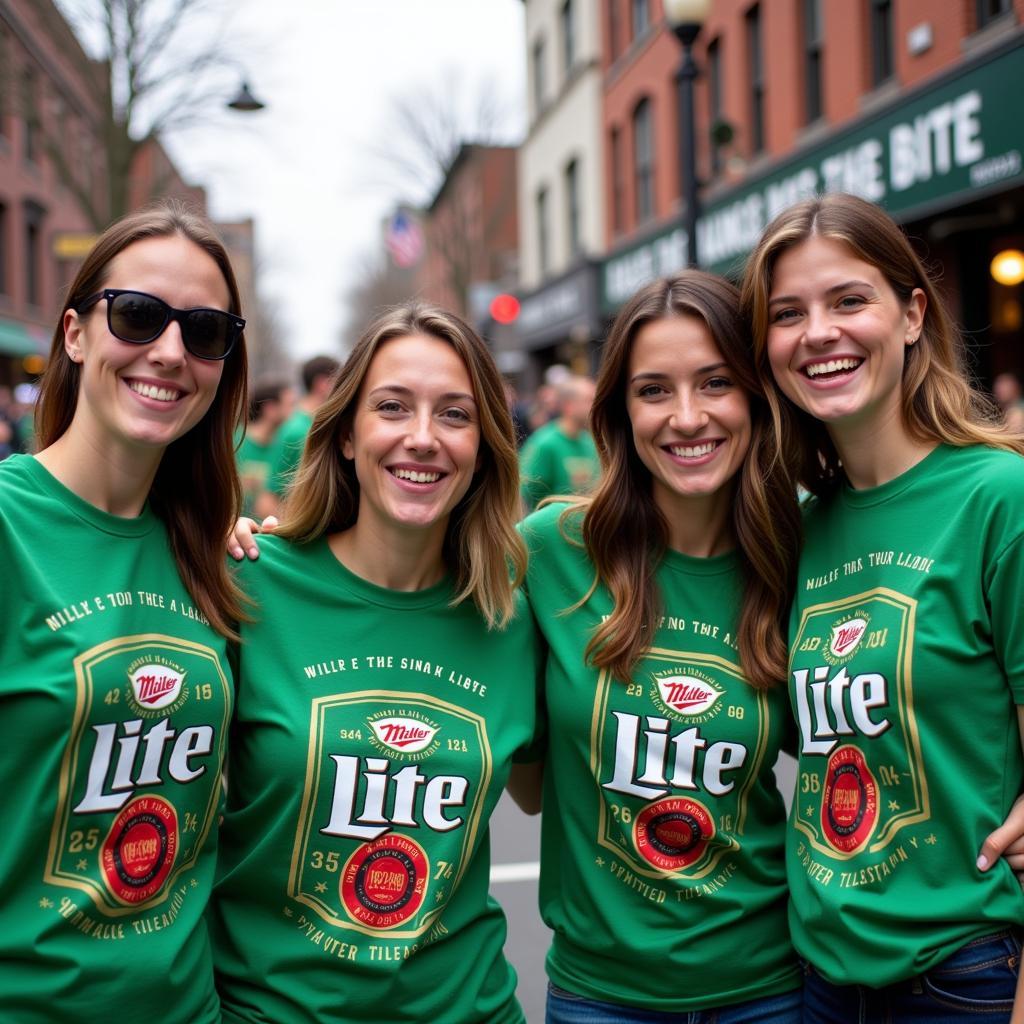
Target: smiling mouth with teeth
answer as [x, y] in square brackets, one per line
[415, 477]
[152, 391]
[832, 368]
[693, 451]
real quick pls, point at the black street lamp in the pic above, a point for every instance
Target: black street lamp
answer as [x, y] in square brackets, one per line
[686, 18]
[245, 100]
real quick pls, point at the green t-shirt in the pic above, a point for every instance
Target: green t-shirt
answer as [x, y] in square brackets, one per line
[115, 700]
[289, 442]
[254, 461]
[662, 839]
[907, 658]
[375, 730]
[551, 462]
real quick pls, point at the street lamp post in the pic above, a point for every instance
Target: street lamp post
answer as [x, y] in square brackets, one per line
[686, 18]
[245, 100]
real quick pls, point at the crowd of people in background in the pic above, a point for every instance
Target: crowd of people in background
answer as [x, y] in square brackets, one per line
[16, 409]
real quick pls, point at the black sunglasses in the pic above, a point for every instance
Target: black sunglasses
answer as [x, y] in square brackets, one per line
[139, 318]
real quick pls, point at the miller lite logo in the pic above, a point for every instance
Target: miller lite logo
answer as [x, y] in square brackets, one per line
[405, 735]
[846, 636]
[155, 686]
[687, 695]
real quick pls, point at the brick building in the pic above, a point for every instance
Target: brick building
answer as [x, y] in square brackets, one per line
[895, 100]
[45, 80]
[471, 231]
[52, 168]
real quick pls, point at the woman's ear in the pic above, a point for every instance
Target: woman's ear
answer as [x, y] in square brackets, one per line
[915, 315]
[73, 328]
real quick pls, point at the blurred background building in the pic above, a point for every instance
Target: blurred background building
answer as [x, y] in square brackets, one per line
[58, 187]
[900, 101]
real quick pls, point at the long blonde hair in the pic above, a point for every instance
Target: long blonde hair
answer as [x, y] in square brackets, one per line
[623, 530]
[940, 402]
[482, 547]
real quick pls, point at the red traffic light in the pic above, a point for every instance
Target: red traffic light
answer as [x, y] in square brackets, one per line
[504, 308]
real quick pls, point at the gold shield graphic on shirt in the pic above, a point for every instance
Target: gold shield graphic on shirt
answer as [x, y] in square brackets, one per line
[140, 776]
[391, 809]
[861, 775]
[675, 759]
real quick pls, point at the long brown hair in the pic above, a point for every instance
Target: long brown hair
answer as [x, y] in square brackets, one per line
[481, 544]
[195, 492]
[626, 535]
[939, 401]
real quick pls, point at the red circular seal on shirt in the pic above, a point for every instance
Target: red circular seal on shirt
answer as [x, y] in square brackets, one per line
[673, 833]
[849, 806]
[140, 848]
[384, 882]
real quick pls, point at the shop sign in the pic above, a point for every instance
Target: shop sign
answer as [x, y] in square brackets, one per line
[956, 139]
[550, 312]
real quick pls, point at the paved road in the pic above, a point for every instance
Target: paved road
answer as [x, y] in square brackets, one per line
[515, 848]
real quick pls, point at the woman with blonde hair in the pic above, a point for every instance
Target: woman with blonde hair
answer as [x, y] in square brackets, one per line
[116, 608]
[663, 599]
[906, 636]
[385, 688]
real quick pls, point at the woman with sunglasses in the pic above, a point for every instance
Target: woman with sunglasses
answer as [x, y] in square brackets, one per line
[907, 632]
[116, 607]
[384, 689]
[662, 599]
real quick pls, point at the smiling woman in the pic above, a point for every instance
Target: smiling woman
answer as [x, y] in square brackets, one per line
[906, 634]
[115, 691]
[388, 582]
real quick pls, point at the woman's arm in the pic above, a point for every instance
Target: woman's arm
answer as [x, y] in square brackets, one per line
[525, 783]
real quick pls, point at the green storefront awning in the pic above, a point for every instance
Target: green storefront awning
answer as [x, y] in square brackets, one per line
[15, 340]
[941, 145]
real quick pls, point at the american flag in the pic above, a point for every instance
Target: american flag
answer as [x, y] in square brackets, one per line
[404, 240]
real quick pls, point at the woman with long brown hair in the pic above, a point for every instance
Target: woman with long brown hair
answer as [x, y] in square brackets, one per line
[385, 687]
[906, 636]
[116, 608]
[663, 599]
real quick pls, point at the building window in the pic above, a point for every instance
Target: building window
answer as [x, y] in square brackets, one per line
[714, 72]
[640, 16]
[618, 183]
[568, 37]
[33, 215]
[613, 29]
[572, 201]
[881, 41]
[539, 88]
[643, 160]
[755, 62]
[5, 288]
[989, 10]
[6, 62]
[30, 116]
[812, 59]
[543, 232]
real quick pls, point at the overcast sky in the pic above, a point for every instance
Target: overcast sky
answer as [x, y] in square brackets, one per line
[303, 168]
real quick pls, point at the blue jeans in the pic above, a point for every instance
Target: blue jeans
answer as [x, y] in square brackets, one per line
[568, 1008]
[977, 981]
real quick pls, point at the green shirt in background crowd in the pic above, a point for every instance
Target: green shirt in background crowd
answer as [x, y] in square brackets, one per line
[907, 660]
[553, 462]
[254, 465]
[115, 698]
[288, 445]
[646, 911]
[374, 733]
